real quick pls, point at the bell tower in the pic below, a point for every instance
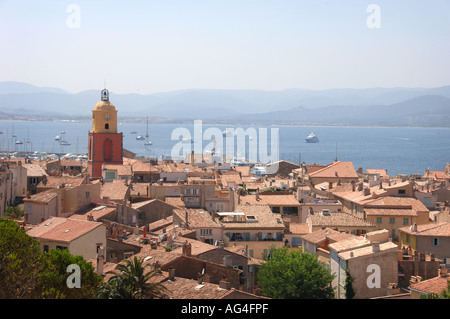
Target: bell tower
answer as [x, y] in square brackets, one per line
[105, 143]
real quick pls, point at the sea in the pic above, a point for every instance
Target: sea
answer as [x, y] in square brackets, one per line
[399, 150]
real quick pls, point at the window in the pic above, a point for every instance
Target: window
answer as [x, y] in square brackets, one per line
[106, 126]
[45, 248]
[392, 220]
[401, 192]
[393, 234]
[437, 241]
[379, 220]
[110, 175]
[405, 221]
[408, 239]
[206, 232]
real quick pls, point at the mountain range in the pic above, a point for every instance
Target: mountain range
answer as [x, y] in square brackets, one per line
[372, 106]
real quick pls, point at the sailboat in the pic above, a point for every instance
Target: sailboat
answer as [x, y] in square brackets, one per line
[148, 142]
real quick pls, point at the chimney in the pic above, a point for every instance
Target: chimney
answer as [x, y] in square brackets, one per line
[366, 191]
[171, 273]
[257, 193]
[353, 186]
[187, 249]
[224, 284]
[376, 247]
[186, 219]
[443, 270]
[100, 260]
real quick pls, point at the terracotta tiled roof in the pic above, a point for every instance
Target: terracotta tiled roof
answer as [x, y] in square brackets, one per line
[96, 212]
[121, 169]
[392, 202]
[62, 229]
[336, 169]
[34, 170]
[115, 190]
[433, 229]
[327, 233]
[338, 220]
[382, 172]
[61, 181]
[271, 200]
[434, 285]
[140, 189]
[256, 216]
[366, 250]
[43, 197]
[182, 288]
[175, 201]
[299, 228]
[197, 218]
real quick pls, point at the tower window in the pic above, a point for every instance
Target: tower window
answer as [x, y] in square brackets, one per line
[106, 126]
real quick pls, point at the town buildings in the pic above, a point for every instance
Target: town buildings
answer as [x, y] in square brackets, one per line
[208, 227]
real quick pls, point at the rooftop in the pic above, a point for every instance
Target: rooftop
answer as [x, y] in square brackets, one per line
[252, 217]
[434, 229]
[62, 229]
[338, 220]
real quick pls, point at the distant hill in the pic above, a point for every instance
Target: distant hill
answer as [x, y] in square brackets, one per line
[372, 106]
[428, 110]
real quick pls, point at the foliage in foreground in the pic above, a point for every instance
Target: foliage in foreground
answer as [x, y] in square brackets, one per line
[133, 281]
[26, 272]
[293, 274]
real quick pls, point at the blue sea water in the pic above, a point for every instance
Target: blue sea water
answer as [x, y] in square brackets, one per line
[398, 150]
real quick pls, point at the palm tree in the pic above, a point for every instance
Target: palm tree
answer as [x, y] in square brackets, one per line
[132, 282]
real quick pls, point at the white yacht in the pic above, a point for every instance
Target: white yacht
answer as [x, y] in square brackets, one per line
[312, 138]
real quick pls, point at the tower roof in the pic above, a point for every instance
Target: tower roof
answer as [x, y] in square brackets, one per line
[104, 104]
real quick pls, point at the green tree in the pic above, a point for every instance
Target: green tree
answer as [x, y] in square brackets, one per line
[349, 291]
[133, 281]
[26, 272]
[14, 212]
[52, 280]
[445, 294]
[293, 274]
[20, 261]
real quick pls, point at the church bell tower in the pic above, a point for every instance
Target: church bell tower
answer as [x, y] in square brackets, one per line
[105, 144]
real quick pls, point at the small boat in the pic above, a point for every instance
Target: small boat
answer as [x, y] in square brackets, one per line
[57, 138]
[19, 142]
[186, 140]
[133, 132]
[148, 142]
[312, 138]
[140, 138]
[64, 143]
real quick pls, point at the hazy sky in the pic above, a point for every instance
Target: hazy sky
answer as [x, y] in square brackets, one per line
[164, 45]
